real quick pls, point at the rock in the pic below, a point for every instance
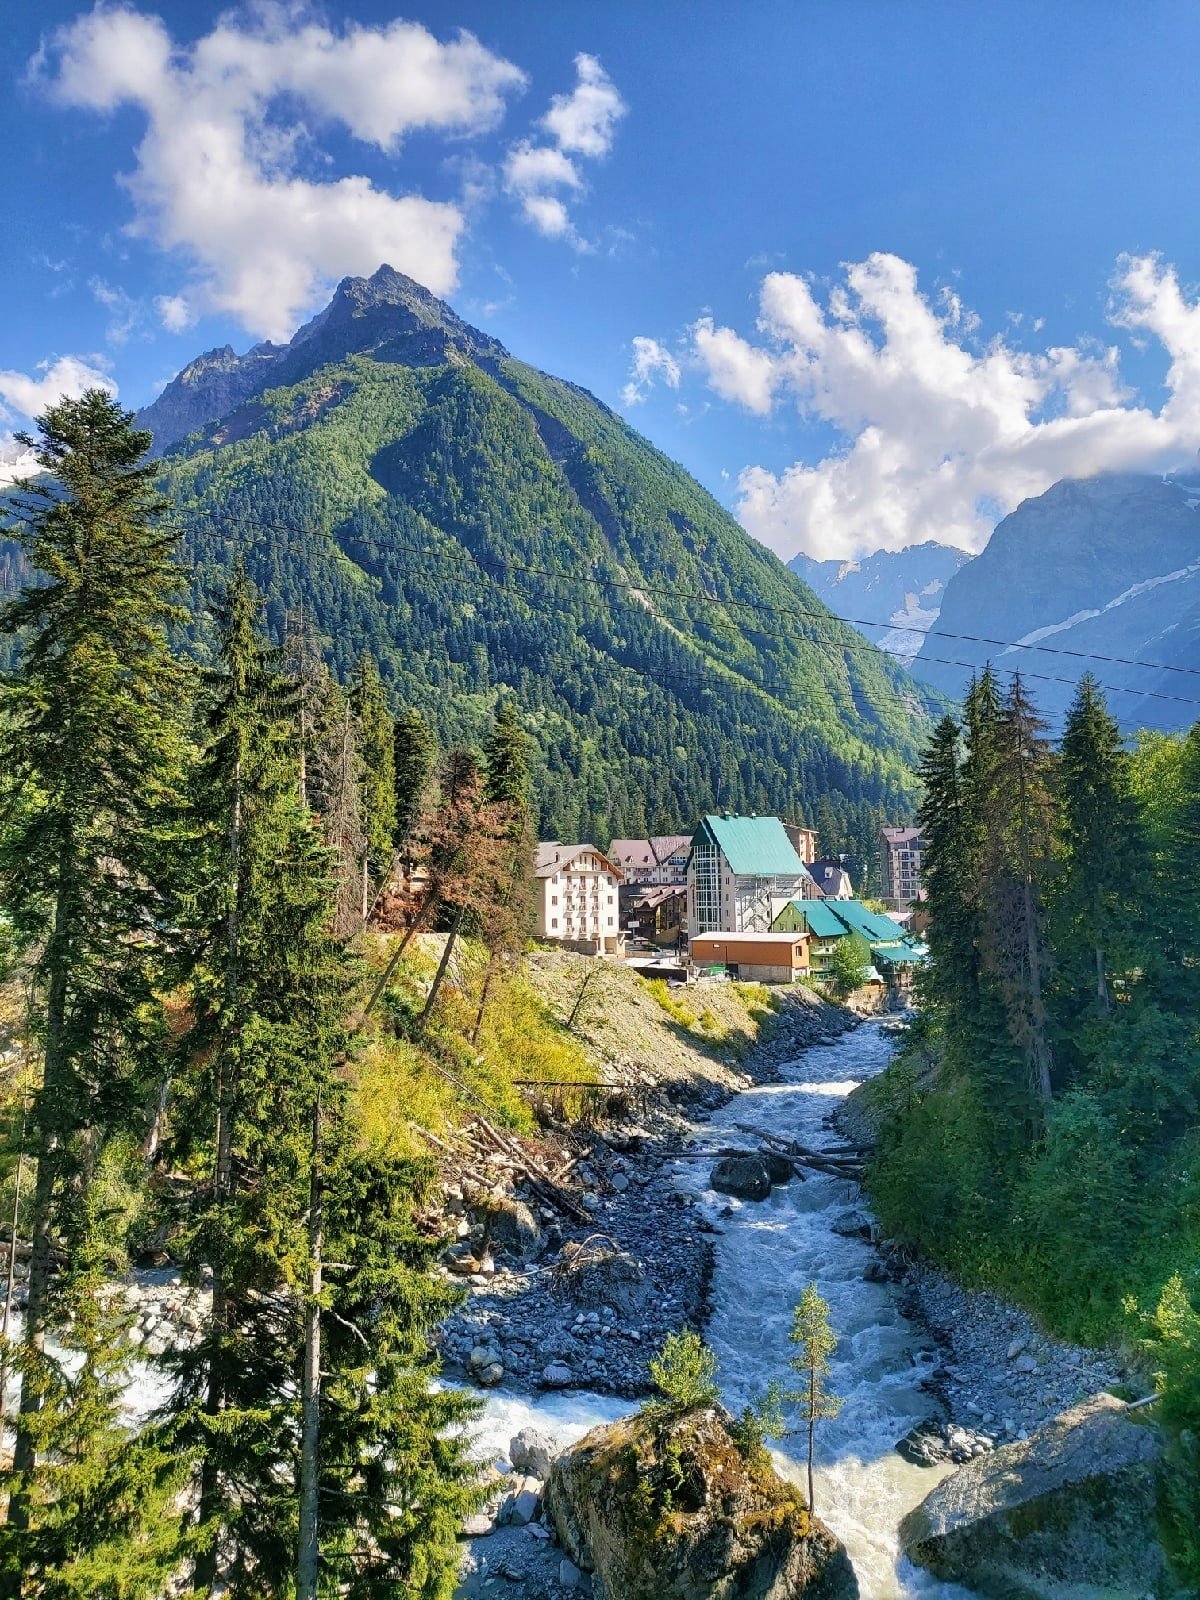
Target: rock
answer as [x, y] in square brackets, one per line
[557, 1375]
[876, 1273]
[607, 1278]
[620, 1182]
[569, 1575]
[853, 1225]
[1014, 1349]
[531, 1452]
[525, 1506]
[490, 1375]
[1025, 1363]
[670, 1509]
[512, 1227]
[779, 1168]
[1071, 1510]
[479, 1525]
[744, 1176]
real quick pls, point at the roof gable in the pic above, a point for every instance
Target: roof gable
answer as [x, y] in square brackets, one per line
[755, 847]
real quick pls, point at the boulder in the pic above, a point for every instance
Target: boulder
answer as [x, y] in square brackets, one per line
[745, 1176]
[531, 1452]
[661, 1507]
[511, 1226]
[779, 1168]
[604, 1277]
[1069, 1511]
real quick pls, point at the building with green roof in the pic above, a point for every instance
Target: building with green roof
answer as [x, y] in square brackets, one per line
[741, 873]
[829, 921]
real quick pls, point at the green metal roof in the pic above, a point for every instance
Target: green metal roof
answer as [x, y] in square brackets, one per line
[898, 955]
[822, 923]
[755, 847]
[874, 927]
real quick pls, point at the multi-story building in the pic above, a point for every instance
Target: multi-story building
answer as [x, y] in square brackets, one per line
[741, 873]
[831, 878]
[662, 858]
[901, 854]
[804, 839]
[578, 891]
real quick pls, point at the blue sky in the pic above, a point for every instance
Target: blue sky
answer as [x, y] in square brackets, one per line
[889, 267]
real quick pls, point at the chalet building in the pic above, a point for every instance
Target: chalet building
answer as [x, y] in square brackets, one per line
[741, 873]
[754, 957]
[901, 854]
[831, 879]
[656, 912]
[894, 952]
[578, 895]
[662, 858]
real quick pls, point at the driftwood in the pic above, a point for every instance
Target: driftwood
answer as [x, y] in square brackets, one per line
[799, 1159]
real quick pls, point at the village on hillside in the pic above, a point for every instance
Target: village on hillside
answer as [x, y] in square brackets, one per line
[744, 897]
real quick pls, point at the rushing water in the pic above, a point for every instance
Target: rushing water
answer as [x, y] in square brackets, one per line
[765, 1255]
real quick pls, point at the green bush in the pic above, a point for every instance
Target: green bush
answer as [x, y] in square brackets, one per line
[684, 1373]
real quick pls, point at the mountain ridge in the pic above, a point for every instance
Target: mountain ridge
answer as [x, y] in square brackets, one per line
[891, 596]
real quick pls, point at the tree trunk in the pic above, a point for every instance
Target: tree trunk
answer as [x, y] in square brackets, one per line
[310, 1393]
[438, 976]
[812, 1424]
[1039, 1049]
[493, 967]
[431, 895]
[205, 1567]
[1102, 983]
[49, 1121]
[12, 1262]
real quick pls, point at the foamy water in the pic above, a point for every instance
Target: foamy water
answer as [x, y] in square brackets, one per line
[765, 1255]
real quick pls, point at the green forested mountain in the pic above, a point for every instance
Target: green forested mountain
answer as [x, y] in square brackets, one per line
[397, 474]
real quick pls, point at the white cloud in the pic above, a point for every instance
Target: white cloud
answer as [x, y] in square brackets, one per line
[582, 123]
[651, 362]
[175, 312]
[585, 120]
[64, 377]
[226, 120]
[936, 428]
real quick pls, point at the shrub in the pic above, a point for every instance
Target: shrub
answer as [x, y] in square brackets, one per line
[684, 1373]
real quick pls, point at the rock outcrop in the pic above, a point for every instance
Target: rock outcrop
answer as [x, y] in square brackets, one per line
[1069, 1512]
[748, 1177]
[662, 1508]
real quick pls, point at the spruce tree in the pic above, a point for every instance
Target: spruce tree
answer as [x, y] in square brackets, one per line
[415, 758]
[90, 741]
[377, 747]
[951, 979]
[1105, 861]
[508, 916]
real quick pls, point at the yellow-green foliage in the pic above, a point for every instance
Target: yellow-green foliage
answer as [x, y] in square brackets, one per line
[407, 1083]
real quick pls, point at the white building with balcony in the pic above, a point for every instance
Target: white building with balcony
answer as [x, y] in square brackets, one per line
[578, 898]
[742, 872]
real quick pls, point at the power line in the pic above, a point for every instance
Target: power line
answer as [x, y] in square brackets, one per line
[497, 568]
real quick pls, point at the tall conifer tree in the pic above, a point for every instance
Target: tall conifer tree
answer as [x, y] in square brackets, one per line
[377, 746]
[416, 751]
[91, 740]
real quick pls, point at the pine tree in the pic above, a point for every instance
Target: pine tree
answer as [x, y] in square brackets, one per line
[267, 1001]
[1105, 860]
[951, 979]
[1019, 843]
[377, 745]
[817, 1342]
[507, 918]
[415, 758]
[90, 741]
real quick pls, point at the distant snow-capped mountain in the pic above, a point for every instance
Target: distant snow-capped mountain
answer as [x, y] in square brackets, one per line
[892, 597]
[16, 461]
[1098, 574]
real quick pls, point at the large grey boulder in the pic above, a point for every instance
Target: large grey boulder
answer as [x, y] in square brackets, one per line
[512, 1227]
[1067, 1514]
[671, 1508]
[748, 1177]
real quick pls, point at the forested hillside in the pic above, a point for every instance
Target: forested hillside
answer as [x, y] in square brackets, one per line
[475, 524]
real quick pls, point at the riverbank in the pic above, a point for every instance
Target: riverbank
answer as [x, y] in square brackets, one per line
[564, 1303]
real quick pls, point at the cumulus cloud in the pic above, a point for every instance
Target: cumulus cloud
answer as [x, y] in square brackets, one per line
[227, 120]
[581, 124]
[936, 427]
[63, 377]
[651, 363]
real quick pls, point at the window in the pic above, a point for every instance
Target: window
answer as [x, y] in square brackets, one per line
[610, 899]
[553, 899]
[554, 922]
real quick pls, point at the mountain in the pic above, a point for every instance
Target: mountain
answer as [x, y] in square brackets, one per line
[477, 525]
[890, 597]
[1105, 567]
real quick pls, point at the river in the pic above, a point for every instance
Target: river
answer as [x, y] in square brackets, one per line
[765, 1254]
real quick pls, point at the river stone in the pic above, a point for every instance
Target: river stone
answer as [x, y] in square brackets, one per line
[779, 1168]
[1067, 1512]
[607, 1278]
[512, 1227]
[531, 1452]
[745, 1176]
[669, 1508]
